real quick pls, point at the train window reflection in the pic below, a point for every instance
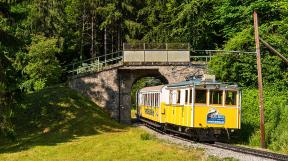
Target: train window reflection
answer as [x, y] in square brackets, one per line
[190, 99]
[178, 97]
[200, 96]
[186, 96]
[230, 97]
[216, 97]
[170, 97]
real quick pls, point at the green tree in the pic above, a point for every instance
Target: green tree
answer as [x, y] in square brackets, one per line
[42, 68]
[6, 94]
[236, 21]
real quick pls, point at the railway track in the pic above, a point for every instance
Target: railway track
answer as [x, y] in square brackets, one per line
[239, 149]
[255, 152]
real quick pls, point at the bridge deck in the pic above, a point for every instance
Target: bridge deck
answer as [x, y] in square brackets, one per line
[117, 59]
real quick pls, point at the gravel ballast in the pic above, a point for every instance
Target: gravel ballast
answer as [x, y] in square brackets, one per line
[209, 150]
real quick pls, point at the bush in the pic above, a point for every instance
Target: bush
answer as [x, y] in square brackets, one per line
[39, 84]
[276, 117]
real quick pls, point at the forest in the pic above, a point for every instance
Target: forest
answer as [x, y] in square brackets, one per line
[38, 38]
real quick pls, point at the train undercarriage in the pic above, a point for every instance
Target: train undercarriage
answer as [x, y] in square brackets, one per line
[197, 134]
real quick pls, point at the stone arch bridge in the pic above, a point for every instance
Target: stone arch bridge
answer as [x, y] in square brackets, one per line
[108, 79]
[111, 88]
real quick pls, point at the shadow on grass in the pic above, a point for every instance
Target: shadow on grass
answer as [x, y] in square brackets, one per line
[56, 115]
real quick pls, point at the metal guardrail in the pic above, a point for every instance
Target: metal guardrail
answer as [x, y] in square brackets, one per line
[95, 64]
[115, 59]
[206, 55]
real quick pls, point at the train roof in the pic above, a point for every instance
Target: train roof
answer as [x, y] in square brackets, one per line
[152, 89]
[206, 82]
[200, 82]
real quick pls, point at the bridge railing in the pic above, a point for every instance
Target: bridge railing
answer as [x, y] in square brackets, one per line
[156, 46]
[95, 64]
[206, 55]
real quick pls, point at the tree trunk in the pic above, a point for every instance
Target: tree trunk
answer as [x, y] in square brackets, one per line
[105, 43]
[92, 37]
[112, 43]
[119, 38]
[82, 37]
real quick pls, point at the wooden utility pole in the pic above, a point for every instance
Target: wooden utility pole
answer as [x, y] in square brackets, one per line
[260, 86]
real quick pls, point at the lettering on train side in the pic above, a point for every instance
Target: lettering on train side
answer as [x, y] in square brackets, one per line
[214, 117]
[149, 111]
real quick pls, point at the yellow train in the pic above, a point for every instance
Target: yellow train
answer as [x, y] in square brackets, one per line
[202, 109]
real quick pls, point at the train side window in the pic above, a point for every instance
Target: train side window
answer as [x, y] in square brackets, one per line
[186, 96]
[178, 97]
[170, 97]
[190, 99]
[230, 97]
[150, 99]
[153, 100]
[216, 97]
[153, 95]
[200, 96]
[156, 100]
[147, 99]
[159, 100]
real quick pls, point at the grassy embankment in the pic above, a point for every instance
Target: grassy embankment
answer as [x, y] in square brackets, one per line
[60, 124]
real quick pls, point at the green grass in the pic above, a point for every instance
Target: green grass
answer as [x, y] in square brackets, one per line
[133, 113]
[124, 145]
[59, 124]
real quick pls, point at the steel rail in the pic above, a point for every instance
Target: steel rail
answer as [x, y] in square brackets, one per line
[255, 152]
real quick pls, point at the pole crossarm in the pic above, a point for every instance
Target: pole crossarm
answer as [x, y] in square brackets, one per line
[274, 51]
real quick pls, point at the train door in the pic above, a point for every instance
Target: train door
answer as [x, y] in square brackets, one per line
[199, 107]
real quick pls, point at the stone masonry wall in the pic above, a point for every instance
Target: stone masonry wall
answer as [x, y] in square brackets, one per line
[103, 87]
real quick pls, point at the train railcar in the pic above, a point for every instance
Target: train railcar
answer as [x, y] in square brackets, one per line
[203, 109]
